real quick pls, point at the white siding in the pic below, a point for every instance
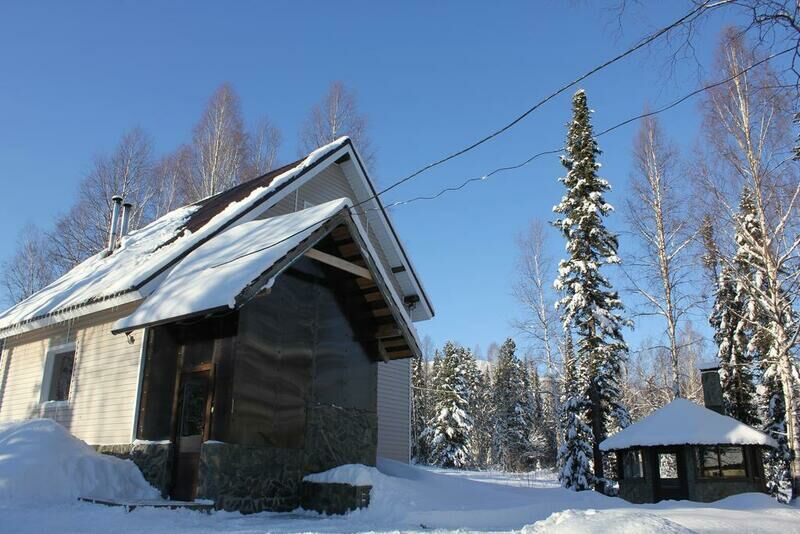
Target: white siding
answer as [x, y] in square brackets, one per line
[105, 378]
[329, 184]
[394, 409]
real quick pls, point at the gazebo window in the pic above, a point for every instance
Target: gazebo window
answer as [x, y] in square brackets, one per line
[632, 464]
[721, 462]
[667, 465]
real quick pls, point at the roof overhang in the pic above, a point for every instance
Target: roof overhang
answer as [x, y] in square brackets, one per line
[343, 153]
[70, 313]
[149, 314]
[375, 212]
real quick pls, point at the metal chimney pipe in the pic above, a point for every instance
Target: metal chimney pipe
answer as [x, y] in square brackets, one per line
[116, 201]
[712, 387]
[126, 219]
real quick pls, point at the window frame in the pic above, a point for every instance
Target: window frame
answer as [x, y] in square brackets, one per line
[49, 370]
[621, 458]
[676, 453]
[701, 470]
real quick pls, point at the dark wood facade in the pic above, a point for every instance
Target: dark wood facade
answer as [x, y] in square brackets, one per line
[679, 472]
[250, 377]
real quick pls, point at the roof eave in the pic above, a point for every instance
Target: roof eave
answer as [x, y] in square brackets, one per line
[257, 285]
[72, 312]
[374, 199]
[721, 444]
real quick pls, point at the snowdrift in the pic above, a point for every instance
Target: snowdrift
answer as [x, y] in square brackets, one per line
[601, 522]
[41, 462]
[353, 474]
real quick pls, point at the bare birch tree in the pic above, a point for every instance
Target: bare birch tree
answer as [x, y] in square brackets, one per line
[170, 174]
[772, 25]
[337, 114]
[748, 133]
[219, 147]
[83, 231]
[532, 290]
[30, 268]
[661, 272]
[265, 141]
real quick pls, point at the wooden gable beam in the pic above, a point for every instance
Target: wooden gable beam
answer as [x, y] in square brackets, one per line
[339, 263]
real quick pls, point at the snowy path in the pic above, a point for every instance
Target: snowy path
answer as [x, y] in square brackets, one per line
[406, 498]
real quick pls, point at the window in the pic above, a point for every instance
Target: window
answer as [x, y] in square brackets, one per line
[721, 462]
[58, 373]
[632, 464]
[307, 204]
[667, 465]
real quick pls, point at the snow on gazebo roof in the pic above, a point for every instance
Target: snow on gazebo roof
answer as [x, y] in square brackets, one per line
[682, 422]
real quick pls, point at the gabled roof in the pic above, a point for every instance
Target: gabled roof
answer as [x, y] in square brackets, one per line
[227, 271]
[214, 274]
[145, 256]
[682, 422]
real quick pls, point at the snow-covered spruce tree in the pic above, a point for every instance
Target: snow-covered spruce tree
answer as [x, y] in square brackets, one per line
[512, 449]
[483, 415]
[753, 343]
[589, 307]
[539, 435]
[740, 328]
[575, 453]
[451, 424]
[550, 404]
[735, 361]
[777, 462]
[747, 125]
[420, 409]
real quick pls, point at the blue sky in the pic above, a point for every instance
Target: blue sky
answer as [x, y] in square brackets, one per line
[431, 76]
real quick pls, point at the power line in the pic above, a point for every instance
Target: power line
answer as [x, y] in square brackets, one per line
[608, 130]
[532, 158]
[642, 43]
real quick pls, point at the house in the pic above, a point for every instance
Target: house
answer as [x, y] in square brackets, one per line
[688, 452]
[234, 345]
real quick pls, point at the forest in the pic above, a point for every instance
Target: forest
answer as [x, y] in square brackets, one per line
[716, 265]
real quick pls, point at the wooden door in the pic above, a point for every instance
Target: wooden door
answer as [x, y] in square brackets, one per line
[669, 474]
[192, 426]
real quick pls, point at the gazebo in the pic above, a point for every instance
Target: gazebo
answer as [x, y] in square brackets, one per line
[685, 451]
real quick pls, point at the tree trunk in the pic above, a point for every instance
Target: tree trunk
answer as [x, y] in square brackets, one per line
[790, 404]
[597, 437]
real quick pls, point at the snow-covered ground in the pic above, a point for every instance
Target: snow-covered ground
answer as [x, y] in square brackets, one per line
[43, 469]
[410, 499]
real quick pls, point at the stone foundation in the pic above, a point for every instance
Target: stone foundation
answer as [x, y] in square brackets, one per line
[337, 436]
[334, 498]
[154, 460]
[250, 479]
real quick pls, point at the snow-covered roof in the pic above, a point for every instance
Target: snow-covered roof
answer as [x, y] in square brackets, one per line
[682, 422]
[100, 276]
[144, 253]
[213, 275]
[708, 365]
[221, 273]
